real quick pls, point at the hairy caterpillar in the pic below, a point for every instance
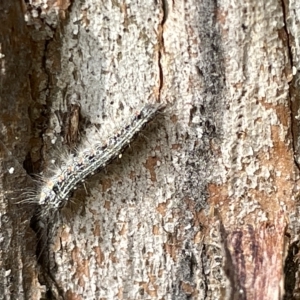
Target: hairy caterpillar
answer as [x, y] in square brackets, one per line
[54, 193]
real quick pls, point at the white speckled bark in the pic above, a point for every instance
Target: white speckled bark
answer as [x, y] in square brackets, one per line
[199, 205]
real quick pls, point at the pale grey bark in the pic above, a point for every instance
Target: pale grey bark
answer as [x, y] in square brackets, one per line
[204, 204]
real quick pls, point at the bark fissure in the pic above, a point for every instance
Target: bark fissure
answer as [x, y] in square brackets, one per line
[294, 105]
[164, 8]
[291, 264]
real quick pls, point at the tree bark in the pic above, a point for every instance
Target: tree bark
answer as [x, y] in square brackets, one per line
[205, 202]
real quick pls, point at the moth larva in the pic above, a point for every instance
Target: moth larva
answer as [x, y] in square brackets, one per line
[55, 191]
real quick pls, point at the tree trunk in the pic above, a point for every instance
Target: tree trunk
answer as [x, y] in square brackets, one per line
[204, 204]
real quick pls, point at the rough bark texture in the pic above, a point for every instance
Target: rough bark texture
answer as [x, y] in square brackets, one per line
[205, 203]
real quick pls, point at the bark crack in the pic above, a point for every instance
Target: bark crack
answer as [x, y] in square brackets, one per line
[164, 8]
[291, 261]
[294, 106]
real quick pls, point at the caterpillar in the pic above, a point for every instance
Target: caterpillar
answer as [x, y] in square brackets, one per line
[55, 191]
